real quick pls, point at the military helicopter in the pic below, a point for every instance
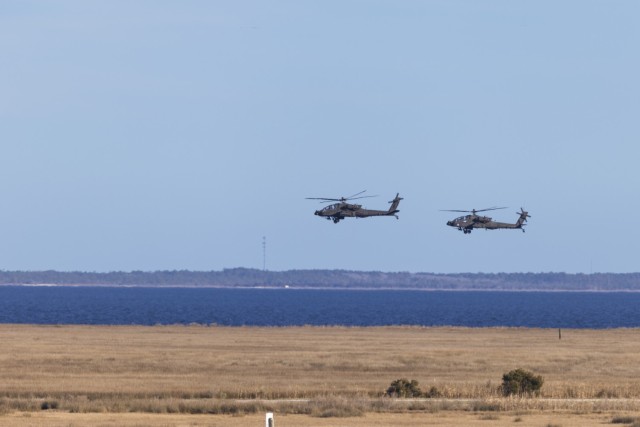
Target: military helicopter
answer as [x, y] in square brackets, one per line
[467, 223]
[342, 209]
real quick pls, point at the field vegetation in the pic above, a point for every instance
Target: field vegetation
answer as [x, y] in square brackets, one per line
[316, 373]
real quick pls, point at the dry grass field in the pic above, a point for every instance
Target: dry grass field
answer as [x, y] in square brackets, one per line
[312, 376]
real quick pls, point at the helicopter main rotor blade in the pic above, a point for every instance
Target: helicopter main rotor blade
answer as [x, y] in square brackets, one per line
[341, 199]
[357, 194]
[361, 197]
[324, 199]
[472, 210]
[489, 209]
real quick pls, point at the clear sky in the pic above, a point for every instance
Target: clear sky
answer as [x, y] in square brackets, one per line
[153, 135]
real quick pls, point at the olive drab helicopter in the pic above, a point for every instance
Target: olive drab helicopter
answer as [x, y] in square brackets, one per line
[342, 209]
[466, 223]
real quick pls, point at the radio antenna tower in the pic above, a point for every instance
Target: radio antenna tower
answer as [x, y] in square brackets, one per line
[264, 253]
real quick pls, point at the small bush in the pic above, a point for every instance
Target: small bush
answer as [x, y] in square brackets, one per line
[483, 406]
[607, 394]
[49, 405]
[623, 420]
[404, 388]
[521, 382]
[489, 417]
[433, 392]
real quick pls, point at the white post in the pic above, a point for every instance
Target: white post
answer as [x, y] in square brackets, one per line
[269, 421]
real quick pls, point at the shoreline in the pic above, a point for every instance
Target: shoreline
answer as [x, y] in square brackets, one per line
[317, 288]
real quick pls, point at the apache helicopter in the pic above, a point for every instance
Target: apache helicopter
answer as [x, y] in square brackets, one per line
[467, 223]
[342, 209]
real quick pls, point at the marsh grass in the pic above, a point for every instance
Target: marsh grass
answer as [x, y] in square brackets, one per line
[336, 371]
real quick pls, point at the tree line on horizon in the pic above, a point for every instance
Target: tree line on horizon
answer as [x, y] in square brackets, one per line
[337, 279]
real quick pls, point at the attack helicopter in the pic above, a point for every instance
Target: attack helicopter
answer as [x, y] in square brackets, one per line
[342, 209]
[467, 223]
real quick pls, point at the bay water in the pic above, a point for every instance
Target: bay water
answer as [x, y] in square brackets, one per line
[288, 307]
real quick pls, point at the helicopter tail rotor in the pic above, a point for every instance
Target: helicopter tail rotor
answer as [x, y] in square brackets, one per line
[393, 209]
[523, 214]
[396, 199]
[523, 218]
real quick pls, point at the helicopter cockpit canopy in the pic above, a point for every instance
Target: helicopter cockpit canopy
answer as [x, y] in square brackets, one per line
[331, 207]
[464, 218]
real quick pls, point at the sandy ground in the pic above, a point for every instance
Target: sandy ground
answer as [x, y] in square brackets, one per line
[445, 419]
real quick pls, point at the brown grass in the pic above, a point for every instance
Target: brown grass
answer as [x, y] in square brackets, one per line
[336, 371]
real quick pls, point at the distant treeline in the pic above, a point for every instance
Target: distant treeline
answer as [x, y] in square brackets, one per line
[339, 279]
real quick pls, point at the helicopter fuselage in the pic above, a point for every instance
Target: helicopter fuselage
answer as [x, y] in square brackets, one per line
[342, 210]
[467, 223]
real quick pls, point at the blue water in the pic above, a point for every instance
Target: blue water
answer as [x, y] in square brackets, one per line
[284, 307]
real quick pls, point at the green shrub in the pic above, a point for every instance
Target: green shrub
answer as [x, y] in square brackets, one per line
[521, 382]
[404, 388]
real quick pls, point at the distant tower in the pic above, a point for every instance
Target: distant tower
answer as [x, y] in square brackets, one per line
[264, 253]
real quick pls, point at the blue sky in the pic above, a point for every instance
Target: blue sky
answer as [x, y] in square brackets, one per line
[153, 135]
